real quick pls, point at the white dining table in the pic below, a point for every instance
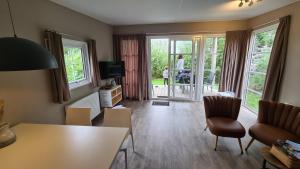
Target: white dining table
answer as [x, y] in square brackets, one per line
[44, 146]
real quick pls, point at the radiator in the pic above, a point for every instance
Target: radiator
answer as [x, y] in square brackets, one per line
[91, 101]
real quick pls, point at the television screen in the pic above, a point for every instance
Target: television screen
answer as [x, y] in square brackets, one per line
[111, 69]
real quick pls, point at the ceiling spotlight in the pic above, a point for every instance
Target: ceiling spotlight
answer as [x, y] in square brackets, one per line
[241, 3]
[251, 3]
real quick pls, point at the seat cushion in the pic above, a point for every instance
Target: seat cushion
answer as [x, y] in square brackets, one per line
[225, 127]
[268, 134]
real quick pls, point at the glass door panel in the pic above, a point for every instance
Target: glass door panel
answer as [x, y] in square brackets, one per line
[185, 60]
[213, 57]
[159, 48]
[181, 60]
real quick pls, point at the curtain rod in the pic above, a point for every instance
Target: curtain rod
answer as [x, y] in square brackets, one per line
[266, 24]
[66, 34]
[185, 33]
[207, 32]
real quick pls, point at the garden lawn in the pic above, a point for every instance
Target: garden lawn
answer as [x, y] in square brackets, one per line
[159, 81]
[252, 101]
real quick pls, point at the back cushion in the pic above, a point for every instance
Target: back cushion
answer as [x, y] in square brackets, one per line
[219, 106]
[281, 115]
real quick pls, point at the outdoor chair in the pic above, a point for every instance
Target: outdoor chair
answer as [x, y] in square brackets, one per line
[209, 81]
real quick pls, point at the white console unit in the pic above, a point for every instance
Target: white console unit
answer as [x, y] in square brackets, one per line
[110, 97]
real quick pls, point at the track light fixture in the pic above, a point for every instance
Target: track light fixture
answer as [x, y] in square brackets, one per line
[250, 2]
[241, 3]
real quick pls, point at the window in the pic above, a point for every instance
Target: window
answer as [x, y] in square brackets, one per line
[76, 60]
[262, 42]
[213, 58]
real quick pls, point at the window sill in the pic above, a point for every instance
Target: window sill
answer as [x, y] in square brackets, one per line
[77, 85]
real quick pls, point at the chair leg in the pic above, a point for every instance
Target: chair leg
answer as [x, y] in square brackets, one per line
[264, 166]
[216, 143]
[125, 151]
[240, 143]
[251, 141]
[132, 141]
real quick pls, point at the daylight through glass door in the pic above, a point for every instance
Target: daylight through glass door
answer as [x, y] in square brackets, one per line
[185, 67]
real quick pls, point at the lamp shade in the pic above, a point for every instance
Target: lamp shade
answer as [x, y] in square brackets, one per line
[21, 54]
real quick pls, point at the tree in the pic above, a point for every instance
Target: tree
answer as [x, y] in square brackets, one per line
[159, 56]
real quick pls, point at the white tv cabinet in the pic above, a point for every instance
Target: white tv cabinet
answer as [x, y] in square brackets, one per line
[110, 97]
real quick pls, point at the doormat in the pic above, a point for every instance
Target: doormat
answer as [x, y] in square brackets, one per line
[162, 96]
[160, 103]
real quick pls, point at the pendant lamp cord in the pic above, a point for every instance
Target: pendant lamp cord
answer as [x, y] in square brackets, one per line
[11, 19]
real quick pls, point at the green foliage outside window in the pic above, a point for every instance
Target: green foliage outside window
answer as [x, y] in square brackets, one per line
[252, 100]
[159, 56]
[258, 68]
[74, 64]
[208, 56]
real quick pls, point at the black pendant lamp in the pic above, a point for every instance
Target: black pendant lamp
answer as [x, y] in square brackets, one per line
[21, 54]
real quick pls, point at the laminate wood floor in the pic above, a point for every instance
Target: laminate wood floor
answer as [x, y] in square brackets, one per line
[172, 137]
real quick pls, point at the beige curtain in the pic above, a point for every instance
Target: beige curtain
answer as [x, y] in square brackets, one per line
[60, 85]
[94, 67]
[277, 61]
[235, 55]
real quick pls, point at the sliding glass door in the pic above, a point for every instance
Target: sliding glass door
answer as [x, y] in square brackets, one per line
[159, 67]
[179, 66]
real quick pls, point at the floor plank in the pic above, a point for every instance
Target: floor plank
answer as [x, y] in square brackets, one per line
[172, 137]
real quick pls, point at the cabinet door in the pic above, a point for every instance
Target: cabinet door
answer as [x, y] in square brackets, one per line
[106, 99]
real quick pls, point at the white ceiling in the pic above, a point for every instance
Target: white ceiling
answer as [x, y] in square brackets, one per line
[130, 12]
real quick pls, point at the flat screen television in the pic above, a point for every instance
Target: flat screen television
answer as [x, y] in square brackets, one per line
[111, 69]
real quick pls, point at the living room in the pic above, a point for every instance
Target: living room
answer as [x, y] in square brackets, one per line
[169, 61]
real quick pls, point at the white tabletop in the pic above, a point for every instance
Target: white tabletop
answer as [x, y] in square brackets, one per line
[41, 146]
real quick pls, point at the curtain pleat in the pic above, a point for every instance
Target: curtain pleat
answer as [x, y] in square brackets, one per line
[94, 67]
[235, 55]
[277, 61]
[132, 50]
[60, 85]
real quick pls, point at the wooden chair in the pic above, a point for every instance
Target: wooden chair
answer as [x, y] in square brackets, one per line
[119, 117]
[78, 116]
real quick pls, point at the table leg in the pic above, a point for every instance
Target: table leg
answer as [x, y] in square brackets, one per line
[264, 164]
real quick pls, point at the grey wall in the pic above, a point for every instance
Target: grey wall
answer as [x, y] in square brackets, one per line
[195, 27]
[290, 91]
[28, 93]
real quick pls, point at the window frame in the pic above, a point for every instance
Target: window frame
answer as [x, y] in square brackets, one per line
[248, 71]
[67, 42]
